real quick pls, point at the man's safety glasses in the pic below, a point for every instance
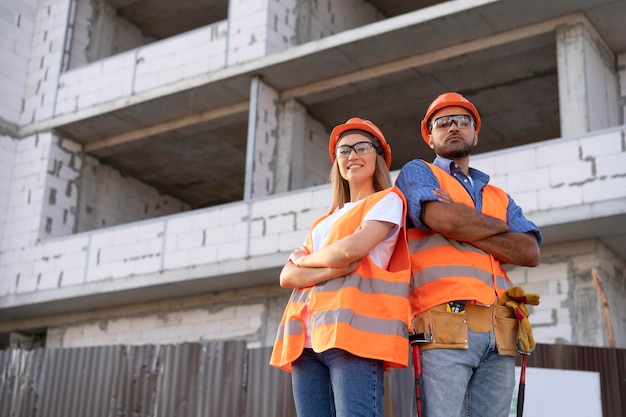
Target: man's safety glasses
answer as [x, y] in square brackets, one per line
[444, 122]
[361, 148]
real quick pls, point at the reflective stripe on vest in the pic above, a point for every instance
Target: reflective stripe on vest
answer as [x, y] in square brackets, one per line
[444, 269]
[365, 313]
[366, 324]
[441, 250]
[365, 285]
[293, 327]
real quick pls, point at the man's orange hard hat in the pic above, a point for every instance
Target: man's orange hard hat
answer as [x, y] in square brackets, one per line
[356, 123]
[447, 100]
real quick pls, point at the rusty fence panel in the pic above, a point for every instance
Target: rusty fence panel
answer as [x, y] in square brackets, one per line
[218, 379]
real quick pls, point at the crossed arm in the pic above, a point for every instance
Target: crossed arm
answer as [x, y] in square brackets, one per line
[459, 222]
[338, 259]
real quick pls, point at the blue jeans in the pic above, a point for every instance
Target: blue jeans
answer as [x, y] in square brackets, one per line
[472, 382]
[337, 383]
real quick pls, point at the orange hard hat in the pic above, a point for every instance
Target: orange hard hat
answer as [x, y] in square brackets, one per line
[447, 100]
[356, 123]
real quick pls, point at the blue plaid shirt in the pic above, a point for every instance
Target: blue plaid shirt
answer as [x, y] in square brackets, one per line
[416, 180]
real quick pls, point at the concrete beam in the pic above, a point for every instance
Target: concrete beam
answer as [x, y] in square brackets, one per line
[433, 56]
[166, 127]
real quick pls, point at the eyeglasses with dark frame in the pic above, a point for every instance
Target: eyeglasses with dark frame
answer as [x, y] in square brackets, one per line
[360, 148]
[444, 122]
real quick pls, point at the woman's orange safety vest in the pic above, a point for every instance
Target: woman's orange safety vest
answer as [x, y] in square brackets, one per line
[444, 269]
[365, 313]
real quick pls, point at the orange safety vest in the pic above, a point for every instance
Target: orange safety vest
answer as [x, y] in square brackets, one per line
[443, 269]
[365, 313]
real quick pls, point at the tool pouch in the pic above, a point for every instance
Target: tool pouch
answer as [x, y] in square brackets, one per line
[446, 329]
[505, 328]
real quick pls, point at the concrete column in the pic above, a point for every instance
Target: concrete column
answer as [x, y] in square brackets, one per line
[8, 146]
[60, 202]
[262, 140]
[588, 86]
[621, 68]
[44, 205]
[302, 152]
[46, 59]
[18, 26]
[290, 154]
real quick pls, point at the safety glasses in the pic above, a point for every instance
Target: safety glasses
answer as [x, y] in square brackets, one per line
[444, 122]
[360, 148]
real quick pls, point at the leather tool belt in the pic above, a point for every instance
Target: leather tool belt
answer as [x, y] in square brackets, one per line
[446, 326]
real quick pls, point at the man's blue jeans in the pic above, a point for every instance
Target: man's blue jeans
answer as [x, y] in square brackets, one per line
[474, 382]
[337, 383]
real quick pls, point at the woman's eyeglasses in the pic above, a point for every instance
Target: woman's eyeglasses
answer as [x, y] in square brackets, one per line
[444, 122]
[360, 148]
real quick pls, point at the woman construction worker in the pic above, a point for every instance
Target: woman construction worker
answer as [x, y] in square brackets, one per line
[347, 318]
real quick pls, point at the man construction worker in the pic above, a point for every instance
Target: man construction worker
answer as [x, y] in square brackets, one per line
[461, 231]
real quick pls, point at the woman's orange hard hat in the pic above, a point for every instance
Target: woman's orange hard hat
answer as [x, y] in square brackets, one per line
[356, 123]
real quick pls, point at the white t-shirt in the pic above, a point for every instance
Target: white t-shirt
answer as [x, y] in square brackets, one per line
[388, 209]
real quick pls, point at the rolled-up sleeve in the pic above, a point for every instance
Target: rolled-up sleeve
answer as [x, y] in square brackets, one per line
[416, 181]
[517, 222]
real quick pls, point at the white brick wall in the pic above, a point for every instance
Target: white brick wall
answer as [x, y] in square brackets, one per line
[587, 81]
[243, 314]
[17, 25]
[107, 198]
[317, 161]
[621, 75]
[46, 55]
[7, 156]
[253, 30]
[201, 238]
[265, 141]
[142, 69]
[61, 193]
[186, 55]
[282, 24]
[326, 17]
[247, 30]
[560, 174]
[27, 192]
[570, 309]
[81, 26]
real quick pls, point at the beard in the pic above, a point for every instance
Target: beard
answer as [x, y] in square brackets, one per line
[457, 149]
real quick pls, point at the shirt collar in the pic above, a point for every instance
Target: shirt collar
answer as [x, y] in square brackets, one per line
[450, 167]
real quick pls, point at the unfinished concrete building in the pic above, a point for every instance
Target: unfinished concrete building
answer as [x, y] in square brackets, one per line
[160, 159]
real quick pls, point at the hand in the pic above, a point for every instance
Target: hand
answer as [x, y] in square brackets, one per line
[297, 254]
[444, 197]
[352, 266]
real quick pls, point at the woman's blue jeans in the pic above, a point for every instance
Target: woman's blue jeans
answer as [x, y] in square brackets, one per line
[336, 383]
[473, 382]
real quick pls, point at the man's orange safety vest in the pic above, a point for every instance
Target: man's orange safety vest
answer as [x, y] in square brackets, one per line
[443, 269]
[365, 313]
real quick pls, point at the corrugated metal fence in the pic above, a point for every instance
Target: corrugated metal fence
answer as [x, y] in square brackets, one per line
[216, 379]
[118, 381]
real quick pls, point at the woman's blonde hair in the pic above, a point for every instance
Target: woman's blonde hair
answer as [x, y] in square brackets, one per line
[341, 187]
